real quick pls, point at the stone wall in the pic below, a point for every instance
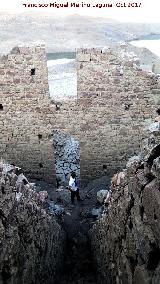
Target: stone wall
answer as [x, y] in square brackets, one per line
[25, 129]
[117, 99]
[32, 242]
[126, 240]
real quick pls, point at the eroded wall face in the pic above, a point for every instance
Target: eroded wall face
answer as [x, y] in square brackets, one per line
[116, 100]
[126, 239]
[25, 129]
[67, 158]
[32, 242]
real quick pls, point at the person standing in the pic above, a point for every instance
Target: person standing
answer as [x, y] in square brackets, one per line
[73, 187]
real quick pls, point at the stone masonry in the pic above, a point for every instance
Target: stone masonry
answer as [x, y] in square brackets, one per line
[115, 101]
[126, 240]
[25, 129]
[32, 242]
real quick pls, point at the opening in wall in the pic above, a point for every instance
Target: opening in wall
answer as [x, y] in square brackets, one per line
[158, 111]
[57, 107]
[62, 76]
[33, 71]
[127, 106]
[1, 107]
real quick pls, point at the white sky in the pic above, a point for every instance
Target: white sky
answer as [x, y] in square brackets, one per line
[148, 12]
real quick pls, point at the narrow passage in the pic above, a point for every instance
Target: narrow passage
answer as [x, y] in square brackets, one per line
[77, 221]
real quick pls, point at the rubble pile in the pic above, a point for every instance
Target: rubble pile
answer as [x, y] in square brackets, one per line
[32, 242]
[126, 239]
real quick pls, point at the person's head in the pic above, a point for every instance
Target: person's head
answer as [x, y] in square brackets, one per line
[73, 174]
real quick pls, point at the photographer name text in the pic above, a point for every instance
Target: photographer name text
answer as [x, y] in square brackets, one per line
[83, 5]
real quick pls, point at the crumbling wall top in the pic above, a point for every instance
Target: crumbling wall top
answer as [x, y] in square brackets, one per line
[27, 49]
[116, 56]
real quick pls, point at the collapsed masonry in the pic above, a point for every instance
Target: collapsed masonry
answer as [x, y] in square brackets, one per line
[115, 100]
[32, 242]
[126, 240]
[67, 157]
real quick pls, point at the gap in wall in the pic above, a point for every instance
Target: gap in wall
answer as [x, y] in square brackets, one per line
[62, 75]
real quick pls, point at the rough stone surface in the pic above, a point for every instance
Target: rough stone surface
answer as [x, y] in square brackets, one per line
[32, 242]
[115, 100]
[101, 195]
[67, 157]
[25, 128]
[126, 239]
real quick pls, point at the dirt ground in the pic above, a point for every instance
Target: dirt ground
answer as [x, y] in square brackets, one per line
[76, 221]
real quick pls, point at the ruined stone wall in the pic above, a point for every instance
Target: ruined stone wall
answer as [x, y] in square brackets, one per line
[116, 99]
[126, 240]
[32, 242]
[25, 110]
[29, 116]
